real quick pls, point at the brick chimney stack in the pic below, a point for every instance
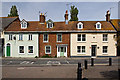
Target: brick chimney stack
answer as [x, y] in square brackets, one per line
[66, 17]
[42, 18]
[108, 16]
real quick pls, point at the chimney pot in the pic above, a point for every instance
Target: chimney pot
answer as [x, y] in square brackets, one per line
[108, 16]
[42, 18]
[66, 17]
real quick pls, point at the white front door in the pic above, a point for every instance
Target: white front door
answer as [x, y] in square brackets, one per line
[62, 51]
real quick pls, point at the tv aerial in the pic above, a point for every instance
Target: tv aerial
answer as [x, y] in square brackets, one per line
[68, 5]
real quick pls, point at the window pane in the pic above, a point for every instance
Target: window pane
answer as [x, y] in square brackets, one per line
[64, 49]
[45, 37]
[20, 37]
[80, 25]
[21, 49]
[48, 49]
[30, 49]
[105, 49]
[98, 26]
[10, 37]
[50, 25]
[58, 49]
[78, 49]
[105, 37]
[30, 37]
[83, 37]
[83, 49]
[79, 37]
[59, 37]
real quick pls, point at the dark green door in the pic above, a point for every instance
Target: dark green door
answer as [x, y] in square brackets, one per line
[8, 49]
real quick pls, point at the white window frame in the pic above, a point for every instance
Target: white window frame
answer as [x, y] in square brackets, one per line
[45, 49]
[79, 26]
[105, 38]
[81, 40]
[103, 50]
[81, 50]
[57, 37]
[98, 23]
[47, 37]
[30, 37]
[19, 49]
[33, 49]
[10, 37]
[50, 26]
[23, 23]
[20, 37]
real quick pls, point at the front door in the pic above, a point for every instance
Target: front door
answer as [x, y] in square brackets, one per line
[93, 50]
[8, 50]
[62, 51]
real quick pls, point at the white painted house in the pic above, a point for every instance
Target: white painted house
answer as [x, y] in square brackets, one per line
[20, 44]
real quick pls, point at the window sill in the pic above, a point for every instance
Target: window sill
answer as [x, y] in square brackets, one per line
[81, 53]
[47, 53]
[80, 28]
[30, 53]
[45, 41]
[105, 53]
[81, 41]
[59, 41]
[21, 53]
[105, 41]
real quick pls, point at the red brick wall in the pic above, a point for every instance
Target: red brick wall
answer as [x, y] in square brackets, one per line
[52, 41]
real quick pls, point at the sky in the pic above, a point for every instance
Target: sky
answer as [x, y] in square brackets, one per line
[88, 11]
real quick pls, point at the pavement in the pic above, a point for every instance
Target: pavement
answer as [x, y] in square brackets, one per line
[97, 72]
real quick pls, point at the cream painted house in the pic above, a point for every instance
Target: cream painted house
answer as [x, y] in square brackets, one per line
[94, 39]
[95, 44]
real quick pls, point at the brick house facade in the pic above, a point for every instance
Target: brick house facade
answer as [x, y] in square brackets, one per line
[52, 41]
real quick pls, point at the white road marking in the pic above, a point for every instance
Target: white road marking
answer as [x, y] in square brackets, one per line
[53, 62]
[32, 62]
[67, 62]
[23, 62]
[27, 62]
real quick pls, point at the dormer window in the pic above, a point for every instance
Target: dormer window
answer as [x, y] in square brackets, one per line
[80, 25]
[49, 23]
[98, 25]
[23, 24]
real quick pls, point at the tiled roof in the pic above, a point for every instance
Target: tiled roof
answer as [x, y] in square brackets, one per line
[61, 26]
[5, 21]
[116, 23]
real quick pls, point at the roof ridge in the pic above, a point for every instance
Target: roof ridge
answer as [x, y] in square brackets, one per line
[8, 17]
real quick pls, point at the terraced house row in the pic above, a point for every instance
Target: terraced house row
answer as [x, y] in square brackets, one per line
[61, 39]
